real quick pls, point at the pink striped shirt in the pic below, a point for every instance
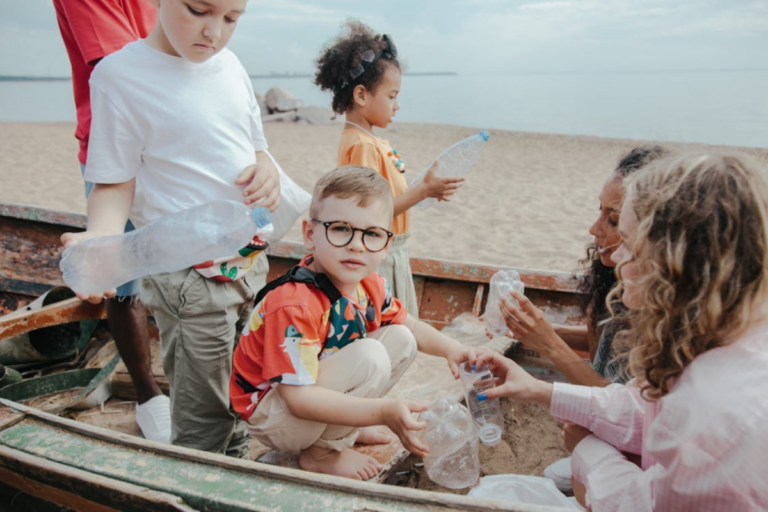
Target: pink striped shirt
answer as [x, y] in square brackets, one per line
[704, 446]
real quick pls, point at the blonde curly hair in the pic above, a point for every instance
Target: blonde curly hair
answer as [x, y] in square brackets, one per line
[702, 244]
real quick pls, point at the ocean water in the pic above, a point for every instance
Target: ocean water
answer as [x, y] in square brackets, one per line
[728, 108]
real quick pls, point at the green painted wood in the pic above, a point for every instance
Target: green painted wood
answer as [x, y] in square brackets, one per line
[201, 486]
[48, 384]
[222, 484]
[95, 382]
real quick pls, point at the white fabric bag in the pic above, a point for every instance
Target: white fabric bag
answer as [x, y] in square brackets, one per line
[532, 490]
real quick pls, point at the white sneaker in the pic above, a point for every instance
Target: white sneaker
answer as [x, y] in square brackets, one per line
[154, 418]
[560, 473]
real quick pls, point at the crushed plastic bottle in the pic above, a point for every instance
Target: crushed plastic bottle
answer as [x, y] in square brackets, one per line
[502, 283]
[454, 162]
[487, 413]
[451, 435]
[214, 230]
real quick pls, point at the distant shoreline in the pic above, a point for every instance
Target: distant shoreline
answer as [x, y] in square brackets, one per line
[35, 78]
[4, 78]
[10, 78]
[309, 75]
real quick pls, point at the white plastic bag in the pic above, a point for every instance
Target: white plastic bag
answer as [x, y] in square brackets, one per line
[532, 490]
[294, 201]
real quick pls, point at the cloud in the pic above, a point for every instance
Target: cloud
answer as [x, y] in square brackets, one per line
[467, 36]
[546, 6]
[289, 11]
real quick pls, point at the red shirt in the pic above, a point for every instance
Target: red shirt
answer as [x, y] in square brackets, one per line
[92, 29]
[296, 326]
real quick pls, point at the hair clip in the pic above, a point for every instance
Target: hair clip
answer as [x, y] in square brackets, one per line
[357, 71]
[368, 57]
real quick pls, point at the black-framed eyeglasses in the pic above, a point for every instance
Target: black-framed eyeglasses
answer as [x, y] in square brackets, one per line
[340, 234]
[367, 60]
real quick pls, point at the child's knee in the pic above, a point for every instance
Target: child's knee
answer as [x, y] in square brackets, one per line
[400, 344]
[373, 358]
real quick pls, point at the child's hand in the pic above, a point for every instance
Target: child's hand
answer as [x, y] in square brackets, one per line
[70, 239]
[440, 188]
[262, 183]
[460, 354]
[516, 383]
[397, 417]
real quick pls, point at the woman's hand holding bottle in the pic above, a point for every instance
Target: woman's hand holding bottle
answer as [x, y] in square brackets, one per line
[529, 326]
[515, 382]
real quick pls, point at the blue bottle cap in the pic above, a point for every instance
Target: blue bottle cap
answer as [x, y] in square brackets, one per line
[261, 216]
[484, 135]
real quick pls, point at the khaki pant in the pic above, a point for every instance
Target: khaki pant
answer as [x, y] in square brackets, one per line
[200, 323]
[367, 368]
[396, 269]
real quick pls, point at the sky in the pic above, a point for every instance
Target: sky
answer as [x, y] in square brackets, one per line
[480, 37]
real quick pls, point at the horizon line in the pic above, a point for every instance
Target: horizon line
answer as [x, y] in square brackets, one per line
[43, 78]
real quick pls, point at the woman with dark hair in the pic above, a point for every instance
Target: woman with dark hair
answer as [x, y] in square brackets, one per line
[557, 342]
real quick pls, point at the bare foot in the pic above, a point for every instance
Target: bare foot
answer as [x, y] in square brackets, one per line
[374, 435]
[347, 463]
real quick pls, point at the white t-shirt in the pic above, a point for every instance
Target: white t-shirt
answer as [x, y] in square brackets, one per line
[185, 131]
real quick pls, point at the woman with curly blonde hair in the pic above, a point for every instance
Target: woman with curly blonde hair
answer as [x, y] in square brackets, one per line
[693, 270]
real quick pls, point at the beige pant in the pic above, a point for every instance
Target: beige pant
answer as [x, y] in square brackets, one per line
[200, 322]
[367, 368]
[396, 269]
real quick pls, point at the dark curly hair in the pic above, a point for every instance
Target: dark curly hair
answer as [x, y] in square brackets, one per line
[598, 279]
[344, 54]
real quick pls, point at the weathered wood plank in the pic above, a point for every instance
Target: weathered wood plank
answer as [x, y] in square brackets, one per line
[214, 482]
[66, 311]
[68, 220]
[9, 417]
[30, 289]
[80, 490]
[440, 269]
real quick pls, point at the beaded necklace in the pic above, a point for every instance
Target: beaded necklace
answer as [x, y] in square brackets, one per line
[397, 160]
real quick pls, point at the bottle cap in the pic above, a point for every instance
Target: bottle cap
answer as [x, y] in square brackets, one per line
[489, 434]
[468, 369]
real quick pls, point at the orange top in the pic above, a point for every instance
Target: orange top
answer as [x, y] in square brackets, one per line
[295, 326]
[359, 148]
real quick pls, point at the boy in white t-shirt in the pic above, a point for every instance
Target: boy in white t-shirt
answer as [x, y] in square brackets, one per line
[175, 124]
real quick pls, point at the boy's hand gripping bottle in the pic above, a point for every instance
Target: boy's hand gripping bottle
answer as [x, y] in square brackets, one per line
[454, 162]
[214, 230]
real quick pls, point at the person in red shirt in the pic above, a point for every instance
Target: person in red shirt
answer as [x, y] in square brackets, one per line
[91, 30]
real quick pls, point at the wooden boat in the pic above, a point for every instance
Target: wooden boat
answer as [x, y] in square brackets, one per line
[85, 467]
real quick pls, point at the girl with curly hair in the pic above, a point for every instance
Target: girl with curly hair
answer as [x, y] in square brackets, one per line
[693, 269]
[362, 71]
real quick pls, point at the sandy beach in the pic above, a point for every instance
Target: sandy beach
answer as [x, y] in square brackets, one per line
[529, 201]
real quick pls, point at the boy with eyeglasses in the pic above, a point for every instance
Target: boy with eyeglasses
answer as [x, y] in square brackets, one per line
[327, 341]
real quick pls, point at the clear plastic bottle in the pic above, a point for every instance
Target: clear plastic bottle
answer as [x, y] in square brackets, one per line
[502, 283]
[455, 162]
[453, 460]
[214, 230]
[487, 413]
